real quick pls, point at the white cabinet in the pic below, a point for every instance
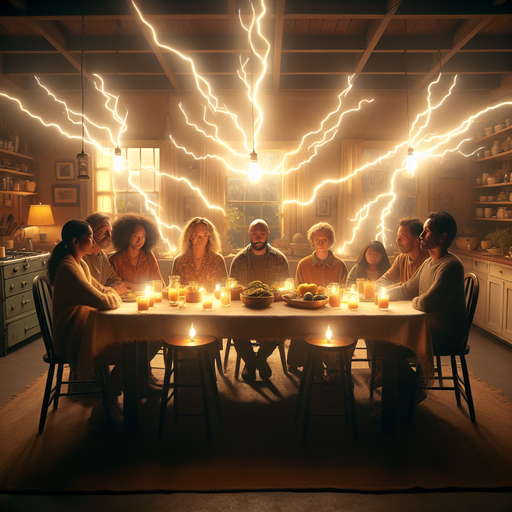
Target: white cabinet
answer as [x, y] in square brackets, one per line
[479, 318]
[494, 310]
[507, 310]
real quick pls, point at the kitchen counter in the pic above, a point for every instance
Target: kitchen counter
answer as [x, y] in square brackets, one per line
[484, 255]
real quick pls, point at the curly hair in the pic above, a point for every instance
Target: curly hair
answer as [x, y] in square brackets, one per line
[377, 246]
[124, 227]
[326, 228]
[213, 246]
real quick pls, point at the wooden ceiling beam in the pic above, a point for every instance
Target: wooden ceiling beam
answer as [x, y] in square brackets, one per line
[466, 31]
[373, 36]
[278, 42]
[156, 49]
[56, 38]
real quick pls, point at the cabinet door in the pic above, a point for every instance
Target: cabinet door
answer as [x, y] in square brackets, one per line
[507, 311]
[494, 313]
[479, 318]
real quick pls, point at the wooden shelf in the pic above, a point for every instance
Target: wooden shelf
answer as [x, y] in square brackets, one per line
[487, 138]
[18, 193]
[507, 155]
[13, 171]
[492, 220]
[16, 155]
[501, 203]
[504, 184]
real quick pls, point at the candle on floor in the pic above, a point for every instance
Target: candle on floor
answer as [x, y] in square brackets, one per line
[383, 300]
[142, 304]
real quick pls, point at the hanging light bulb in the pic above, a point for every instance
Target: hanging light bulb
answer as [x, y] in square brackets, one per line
[117, 159]
[82, 157]
[254, 168]
[410, 164]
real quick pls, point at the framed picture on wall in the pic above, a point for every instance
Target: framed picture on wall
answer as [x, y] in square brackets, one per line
[66, 195]
[323, 206]
[65, 170]
[7, 200]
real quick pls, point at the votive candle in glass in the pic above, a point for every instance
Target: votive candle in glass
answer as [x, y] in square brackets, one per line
[157, 290]
[174, 288]
[149, 293]
[216, 292]
[353, 300]
[225, 297]
[360, 285]
[383, 300]
[181, 302]
[208, 301]
[142, 304]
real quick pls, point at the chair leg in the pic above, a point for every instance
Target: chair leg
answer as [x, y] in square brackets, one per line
[176, 382]
[206, 410]
[467, 388]
[216, 397]
[302, 385]
[283, 357]
[46, 396]
[229, 342]
[456, 382]
[309, 393]
[349, 390]
[439, 370]
[237, 365]
[165, 391]
[218, 358]
[58, 385]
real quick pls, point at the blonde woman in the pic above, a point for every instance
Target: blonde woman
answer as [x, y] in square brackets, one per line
[200, 259]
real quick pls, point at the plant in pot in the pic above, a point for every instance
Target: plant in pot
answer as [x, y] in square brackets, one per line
[8, 230]
[467, 238]
[501, 241]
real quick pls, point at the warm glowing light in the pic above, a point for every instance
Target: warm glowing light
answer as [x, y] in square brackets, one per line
[410, 164]
[328, 334]
[117, 160]
[192, 333]
[254, 168]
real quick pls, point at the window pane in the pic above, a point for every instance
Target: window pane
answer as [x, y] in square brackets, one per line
[120, 180]
[147, 179]
[252, 212]
[151, 197]
[157, 159]
[236, 238]
[133, 203]
[134, 180]
[235, 189]
[134, 158]
[235, 214]
[120, 203]
[252, 190]
[270, 213]
[270, 189]
[275, 233]
[268, 160]
[147, 157]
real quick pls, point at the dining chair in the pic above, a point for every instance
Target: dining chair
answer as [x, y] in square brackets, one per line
[229, 344]
[42, 292]
[461, 385]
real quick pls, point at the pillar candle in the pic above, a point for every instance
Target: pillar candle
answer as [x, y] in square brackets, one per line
[383, 302]
[142, 303]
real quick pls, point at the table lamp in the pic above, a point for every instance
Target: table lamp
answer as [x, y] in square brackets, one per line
[40, 215]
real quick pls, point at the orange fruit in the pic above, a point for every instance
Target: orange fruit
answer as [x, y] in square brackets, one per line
[312, 288]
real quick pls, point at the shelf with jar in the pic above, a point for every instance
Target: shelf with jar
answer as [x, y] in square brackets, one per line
[14, 166]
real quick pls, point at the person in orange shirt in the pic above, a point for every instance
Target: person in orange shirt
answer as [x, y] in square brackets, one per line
[321, 267]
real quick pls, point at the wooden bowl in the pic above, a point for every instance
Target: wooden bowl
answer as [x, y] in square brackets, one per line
[257, 302]
[305, 304]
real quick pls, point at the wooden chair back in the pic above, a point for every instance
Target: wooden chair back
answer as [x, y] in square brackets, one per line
[42, 291]
[471, 291]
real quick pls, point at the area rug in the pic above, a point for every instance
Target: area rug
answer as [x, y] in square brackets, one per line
[260, 445]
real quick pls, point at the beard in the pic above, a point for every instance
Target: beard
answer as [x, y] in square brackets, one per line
[259, 246]
[104, 242]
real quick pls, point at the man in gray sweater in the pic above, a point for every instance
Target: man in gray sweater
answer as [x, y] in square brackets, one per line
[437, 288]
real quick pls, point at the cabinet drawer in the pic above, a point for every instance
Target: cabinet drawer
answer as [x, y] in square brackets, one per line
[481, 266]
[22, 329]
[26, 267]
[467, 262]
[19, 284]
[501, 271]
[19, 304]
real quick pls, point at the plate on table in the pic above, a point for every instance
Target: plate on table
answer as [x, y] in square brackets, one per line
[130, 296]
[304, 304]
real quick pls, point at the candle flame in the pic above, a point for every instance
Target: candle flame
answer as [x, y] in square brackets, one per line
[328, 334]
[192, 332]
[217, 287]
[383, 292]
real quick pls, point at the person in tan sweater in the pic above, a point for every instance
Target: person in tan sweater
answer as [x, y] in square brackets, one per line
[75, 294]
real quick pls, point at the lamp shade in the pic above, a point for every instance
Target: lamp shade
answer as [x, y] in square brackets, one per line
[40, 215]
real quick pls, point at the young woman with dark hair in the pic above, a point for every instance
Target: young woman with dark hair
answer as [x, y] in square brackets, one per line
[371, 264]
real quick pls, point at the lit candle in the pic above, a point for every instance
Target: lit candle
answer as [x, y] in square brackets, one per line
[151, 297]
[216, 292]
[225, 297]
[353, 300]
[173, 297]
[328, 334]
[383, 300]
[208, 301]
[142, 304]
[192, 333]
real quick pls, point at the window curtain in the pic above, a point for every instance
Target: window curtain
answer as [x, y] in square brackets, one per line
[103, 188]
[295, 218]
[212, 183]
[170, 191]
[350, 191]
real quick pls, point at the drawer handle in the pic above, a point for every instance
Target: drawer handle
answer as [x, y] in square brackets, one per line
[12, 287]
[13, 308]
[500, 271]
[26, 265]
[24, 302]
[29, 328]
[15, 269]
[44, 263]
[24, 283]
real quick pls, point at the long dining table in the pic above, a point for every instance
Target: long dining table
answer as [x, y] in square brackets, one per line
[400, 325]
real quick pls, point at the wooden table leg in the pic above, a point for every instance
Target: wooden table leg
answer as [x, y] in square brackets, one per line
[389, 369]
[130, 386]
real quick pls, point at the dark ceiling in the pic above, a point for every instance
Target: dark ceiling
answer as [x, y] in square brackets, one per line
[315, 45]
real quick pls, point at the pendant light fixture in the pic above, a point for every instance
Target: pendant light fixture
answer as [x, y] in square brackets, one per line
[117, 150]
[410, 159]
[254, 168]
[82, 157]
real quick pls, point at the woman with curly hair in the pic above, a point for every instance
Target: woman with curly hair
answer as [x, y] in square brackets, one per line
[200, 259]
[373, 263]
[133, 237]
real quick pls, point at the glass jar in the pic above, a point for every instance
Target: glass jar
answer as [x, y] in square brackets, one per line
[174, 289]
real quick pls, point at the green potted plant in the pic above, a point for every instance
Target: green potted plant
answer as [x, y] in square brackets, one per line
[501, 240]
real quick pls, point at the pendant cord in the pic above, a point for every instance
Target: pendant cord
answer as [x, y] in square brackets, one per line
[406, 84]
[82, 78]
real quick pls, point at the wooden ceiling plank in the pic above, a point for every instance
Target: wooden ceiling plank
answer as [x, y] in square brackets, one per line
[328, 27]
[156, 49]
[301, 27]
[314, 27]
[375, 32]
[342, 27]
[278, 43]
[466, 31]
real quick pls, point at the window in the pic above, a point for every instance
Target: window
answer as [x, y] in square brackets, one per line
[120, 192]
[248, 201]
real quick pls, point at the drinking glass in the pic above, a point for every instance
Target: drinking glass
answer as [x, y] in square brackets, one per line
[174, 289]
[369, 289]
[225, 297]
[157, 290]
[333, 292]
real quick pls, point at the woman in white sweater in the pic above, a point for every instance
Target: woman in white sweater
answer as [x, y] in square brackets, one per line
[75, 294]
